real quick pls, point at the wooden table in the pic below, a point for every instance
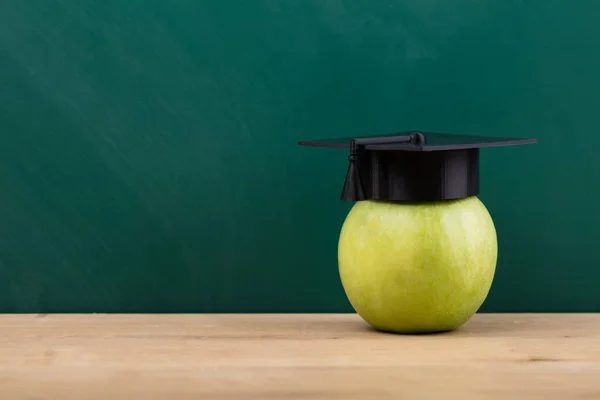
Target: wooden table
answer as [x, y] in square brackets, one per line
[118, 357]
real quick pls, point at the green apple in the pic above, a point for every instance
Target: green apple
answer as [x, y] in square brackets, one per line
[417, 267]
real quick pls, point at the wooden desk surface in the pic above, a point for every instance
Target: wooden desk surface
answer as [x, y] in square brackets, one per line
[118, 357]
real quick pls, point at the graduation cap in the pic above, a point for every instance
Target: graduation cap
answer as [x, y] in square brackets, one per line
[413, 166]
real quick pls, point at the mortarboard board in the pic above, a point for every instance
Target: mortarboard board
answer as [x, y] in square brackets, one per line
[413, 166]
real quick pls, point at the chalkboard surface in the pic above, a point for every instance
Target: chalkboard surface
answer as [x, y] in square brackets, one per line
[149, 158]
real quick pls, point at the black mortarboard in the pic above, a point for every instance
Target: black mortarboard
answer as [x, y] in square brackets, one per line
[413, 166]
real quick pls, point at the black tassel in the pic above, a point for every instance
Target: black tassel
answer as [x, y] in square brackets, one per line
[353, 189]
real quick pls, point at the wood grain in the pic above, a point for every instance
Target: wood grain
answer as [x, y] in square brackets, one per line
[323, 356]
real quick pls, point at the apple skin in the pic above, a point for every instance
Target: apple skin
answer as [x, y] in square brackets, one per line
[417, 267]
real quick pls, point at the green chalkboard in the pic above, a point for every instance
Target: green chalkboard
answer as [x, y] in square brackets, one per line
[149, 158]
